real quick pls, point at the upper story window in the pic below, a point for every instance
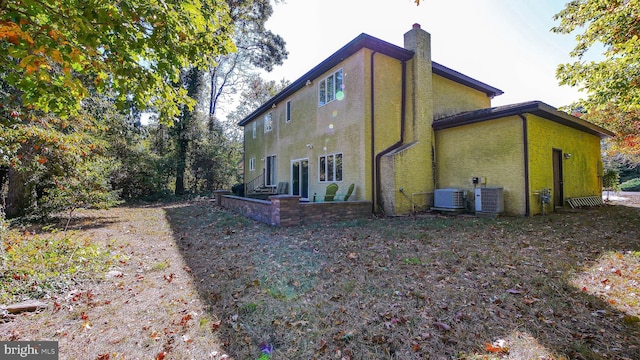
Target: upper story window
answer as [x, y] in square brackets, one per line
[253, 129]
[287, 115]
[268, 123]
[330, 88]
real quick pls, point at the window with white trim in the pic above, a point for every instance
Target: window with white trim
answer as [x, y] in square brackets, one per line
[252, 164]
[331, 88]
[253, 129]
[330, 168]
[287, 115]
[270, 174]
[268, 123]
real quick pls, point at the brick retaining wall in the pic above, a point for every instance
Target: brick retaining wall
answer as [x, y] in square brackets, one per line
[287, 210]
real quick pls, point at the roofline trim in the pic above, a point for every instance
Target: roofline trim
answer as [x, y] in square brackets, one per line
[361, 41]
[463, 79]
[533, 107]
[366, 41]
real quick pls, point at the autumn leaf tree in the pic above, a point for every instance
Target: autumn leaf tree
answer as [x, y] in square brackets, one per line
[56, 54]
[206, 155]
[612, 84]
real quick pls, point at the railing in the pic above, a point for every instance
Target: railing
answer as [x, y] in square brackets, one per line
[257, 183]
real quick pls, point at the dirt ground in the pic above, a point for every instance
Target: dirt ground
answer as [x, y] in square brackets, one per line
[145, 307]
[623, 198]
[191, 281]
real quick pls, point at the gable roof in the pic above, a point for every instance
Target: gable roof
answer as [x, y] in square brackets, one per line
[532, 107]
[367, 41]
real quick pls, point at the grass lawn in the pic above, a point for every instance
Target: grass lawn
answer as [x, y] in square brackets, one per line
[190, 280]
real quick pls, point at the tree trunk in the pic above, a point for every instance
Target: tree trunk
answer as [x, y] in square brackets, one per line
[181, 166]
[17, 199]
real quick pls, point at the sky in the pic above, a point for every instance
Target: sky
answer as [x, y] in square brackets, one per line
[504, 43]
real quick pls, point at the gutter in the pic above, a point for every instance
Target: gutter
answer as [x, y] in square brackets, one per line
[525, 139]
[402, 131]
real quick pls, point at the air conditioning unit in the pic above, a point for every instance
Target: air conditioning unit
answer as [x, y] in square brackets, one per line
[448, 199]
[489, 200]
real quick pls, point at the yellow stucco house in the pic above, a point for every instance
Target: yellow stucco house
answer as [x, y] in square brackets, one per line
[406, 130]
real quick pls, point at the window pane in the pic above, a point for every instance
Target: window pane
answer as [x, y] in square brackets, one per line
[273, 170]
[268, 174]
[304, 181]
[330, 168]
[339, 85]
[322, 93]
[331, 90]
[295, 178]
[288, 115]
[338, 167]
[268, 123]
[323, 169]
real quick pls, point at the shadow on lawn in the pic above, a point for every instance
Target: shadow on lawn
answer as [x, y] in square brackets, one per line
[430, 287]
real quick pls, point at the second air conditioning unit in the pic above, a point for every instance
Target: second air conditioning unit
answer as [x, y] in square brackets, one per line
[489, 200]
[448, 199]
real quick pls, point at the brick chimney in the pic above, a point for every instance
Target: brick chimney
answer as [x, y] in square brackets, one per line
[420, 89]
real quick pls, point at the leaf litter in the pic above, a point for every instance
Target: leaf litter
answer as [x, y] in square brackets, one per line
[389, 288]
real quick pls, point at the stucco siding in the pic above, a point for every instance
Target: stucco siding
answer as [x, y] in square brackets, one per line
[450, 98]
[491, 150]
[580, 171]
[334, 128]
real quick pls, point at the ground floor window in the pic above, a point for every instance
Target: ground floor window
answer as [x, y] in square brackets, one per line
[252, 164]
[270, 175]
[330, 168]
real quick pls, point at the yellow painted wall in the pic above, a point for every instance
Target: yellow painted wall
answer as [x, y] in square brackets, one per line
[581, 170]
[491, 149]
[450, 98]
[409, 167]
[336, 127]
[387, 110]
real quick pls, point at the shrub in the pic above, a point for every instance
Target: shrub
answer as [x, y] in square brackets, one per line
[611, 180]
[631, 185]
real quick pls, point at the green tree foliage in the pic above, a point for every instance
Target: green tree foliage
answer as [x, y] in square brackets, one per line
[55, 48]
[70, 70]
[44, 156]
[256, 47]
[257, 91]
[613, 84]
[205, 159]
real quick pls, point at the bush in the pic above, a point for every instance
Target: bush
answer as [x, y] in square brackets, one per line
[238, 189]
[611, 180]
[631, 185]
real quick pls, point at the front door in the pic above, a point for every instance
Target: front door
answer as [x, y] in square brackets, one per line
[300, 178]
[558, 186]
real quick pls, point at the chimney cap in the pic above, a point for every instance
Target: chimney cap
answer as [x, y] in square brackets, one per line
[416, 26]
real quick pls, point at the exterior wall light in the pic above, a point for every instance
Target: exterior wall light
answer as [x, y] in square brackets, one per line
[567, 156]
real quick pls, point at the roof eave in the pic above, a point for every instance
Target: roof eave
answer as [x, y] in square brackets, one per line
[534, 107]
[361, 41]
[463, 79]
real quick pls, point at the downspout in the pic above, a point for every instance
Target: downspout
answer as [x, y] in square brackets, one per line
[402, 130]
[525, 139]
[373, 139]
[244, 161]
